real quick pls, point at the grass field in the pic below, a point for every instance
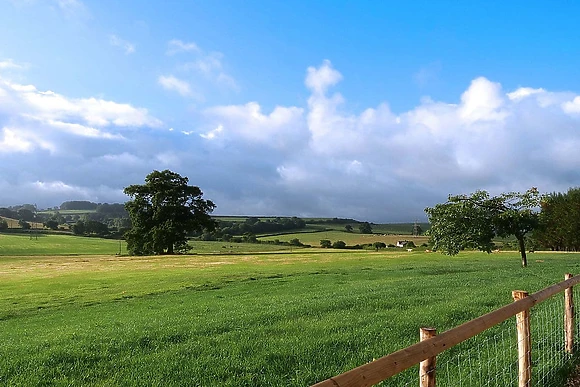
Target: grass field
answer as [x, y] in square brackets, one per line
[13, 223]
[350, 239]
[51, 244]
[254, 319]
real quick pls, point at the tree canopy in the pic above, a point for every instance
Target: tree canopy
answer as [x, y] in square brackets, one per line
[163, 211]
[560, 221]
[472, 221]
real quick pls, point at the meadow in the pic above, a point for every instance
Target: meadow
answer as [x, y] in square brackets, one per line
[351, 239]
[262, 318]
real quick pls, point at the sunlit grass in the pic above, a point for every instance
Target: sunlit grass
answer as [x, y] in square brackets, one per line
[257, 319]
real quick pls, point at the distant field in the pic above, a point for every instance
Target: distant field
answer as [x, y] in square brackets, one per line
[49, 244]
[350, 239]
[13, 223]
[67, 212]
[269, 319]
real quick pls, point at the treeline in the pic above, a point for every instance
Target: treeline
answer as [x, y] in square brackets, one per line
[254, 225]
[559, 219]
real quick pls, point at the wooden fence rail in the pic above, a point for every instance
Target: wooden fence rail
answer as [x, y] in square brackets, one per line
[372, 373]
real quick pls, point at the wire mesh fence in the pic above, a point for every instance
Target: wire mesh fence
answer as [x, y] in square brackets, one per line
[491, 358]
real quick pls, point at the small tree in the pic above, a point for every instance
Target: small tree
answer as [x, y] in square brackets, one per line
[325, 243]
[3, 225]
[52, 224]
[24, 224]
[348, 228]
[379, 245]
[295, 242]
[339, 245]
[473, 221]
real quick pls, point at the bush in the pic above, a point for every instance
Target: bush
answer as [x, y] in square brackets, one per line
[3, 224]
[325, 243]
[339, 245]
[295, 242]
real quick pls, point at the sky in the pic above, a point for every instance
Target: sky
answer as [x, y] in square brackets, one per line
[361, 109]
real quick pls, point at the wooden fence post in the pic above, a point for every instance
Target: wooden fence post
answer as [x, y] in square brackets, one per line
[524, 342]
[427, 366]
[569, 317]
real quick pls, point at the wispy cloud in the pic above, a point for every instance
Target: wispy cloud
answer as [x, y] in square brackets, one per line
[175, 46]
[427, 74]
[128, 47]
[169, 82]
[10, 64]
[209, 65]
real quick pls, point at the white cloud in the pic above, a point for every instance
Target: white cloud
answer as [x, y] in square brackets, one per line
[248, 122]
[320, 79]
[169, 82]
[572, 107]
[483, 100]
[176, 46]
[27, 101]
[524, 92]
[10, 64]
[321, 159]
[128, 47]
[210, 65]
[213, 133]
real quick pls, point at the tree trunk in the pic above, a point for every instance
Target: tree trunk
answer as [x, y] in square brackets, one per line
[170, 249]
[522, 250]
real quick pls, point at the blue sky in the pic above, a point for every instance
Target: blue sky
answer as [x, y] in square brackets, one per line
[371, 110]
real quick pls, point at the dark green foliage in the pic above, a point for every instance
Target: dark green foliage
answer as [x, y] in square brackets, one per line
[560, 221]
[115, 209]
[295, 242]
[3, 225]
[325, 243]
[52, 224]
[163, 211]
[339, 245]
[8, 213]
[410, 245]
[379, 245]
[24, 224]
[25, 214]
[473, 221]
[365, 228]
[258, 226]
[348, 228]
[78, 205]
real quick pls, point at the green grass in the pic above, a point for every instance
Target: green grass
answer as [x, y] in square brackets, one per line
[350, 239]
[51, 244]
[254, 319]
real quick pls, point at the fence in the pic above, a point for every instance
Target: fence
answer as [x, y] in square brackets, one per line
[508, 353]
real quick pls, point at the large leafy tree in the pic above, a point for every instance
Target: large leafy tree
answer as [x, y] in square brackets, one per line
[472, 221]
[560, 221]
[163, 211]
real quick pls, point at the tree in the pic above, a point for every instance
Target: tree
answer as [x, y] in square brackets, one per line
[52, 224]
[3, 225]
[339, 245]
[325, 243]
[348, 228]
[379, 245]
[24, 224]
[365, 228]
[163, 211]
[473, 221]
